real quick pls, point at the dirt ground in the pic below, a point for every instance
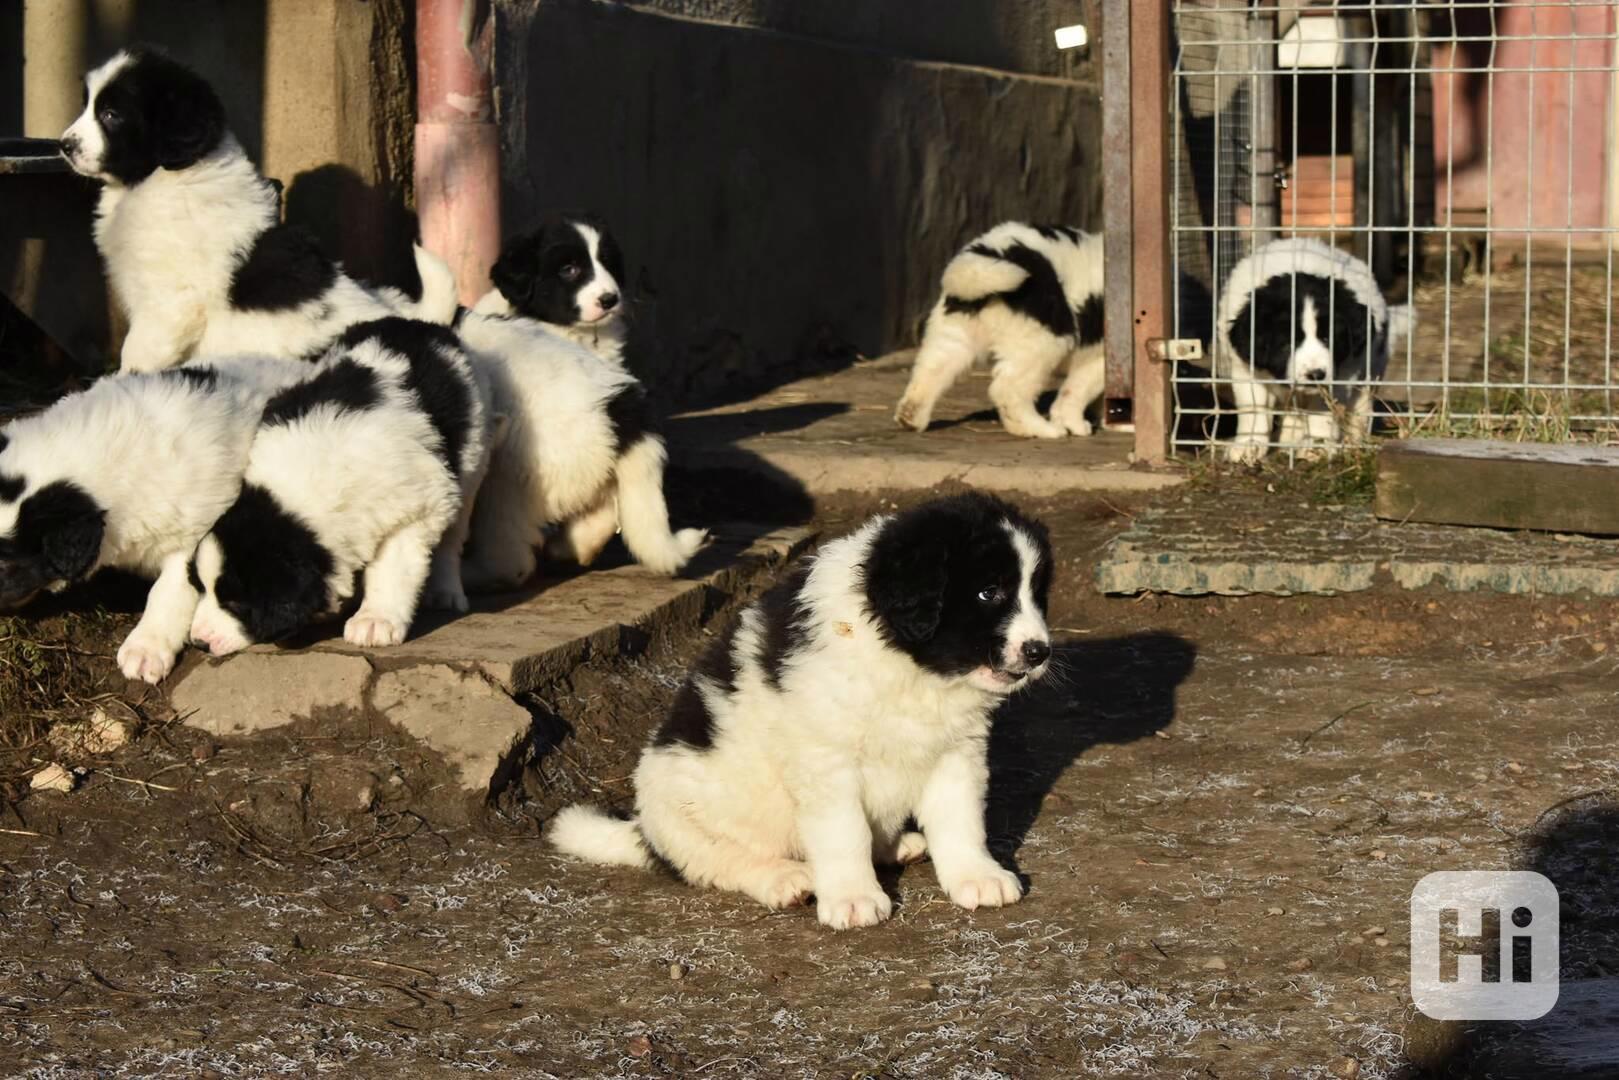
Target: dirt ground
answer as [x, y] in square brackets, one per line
[1220, 808]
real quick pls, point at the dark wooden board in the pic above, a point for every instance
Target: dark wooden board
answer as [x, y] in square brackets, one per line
[1566, 487]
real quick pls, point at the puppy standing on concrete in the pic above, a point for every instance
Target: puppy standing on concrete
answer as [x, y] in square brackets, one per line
[581, 450]
[129, 474]
[1031, 297]
[189, 229]
[365, 467]
[853, 696]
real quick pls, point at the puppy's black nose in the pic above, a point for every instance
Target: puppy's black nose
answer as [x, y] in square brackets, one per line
[1036, 652]
[1315, 375]
[608, 301]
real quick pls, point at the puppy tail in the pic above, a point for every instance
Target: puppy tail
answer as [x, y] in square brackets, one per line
[975, 274]
[643, 515]
[586, 833]
[439, 294]
[1402, 323]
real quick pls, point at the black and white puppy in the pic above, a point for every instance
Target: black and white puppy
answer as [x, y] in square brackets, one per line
[1030, 297]
[567, 273]
[190, 230]
[130, 473]
[581, 450]
[1302, 324]
[364, 467]
[855, 695]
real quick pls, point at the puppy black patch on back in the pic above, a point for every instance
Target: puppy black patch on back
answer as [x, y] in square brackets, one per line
[163, 115]
[200, 376]
[631, 417]
[284, 269]
[345, 385]
[274, 576]
[782, 612]
[1040, 297]
[689, 721]
[434, 379]
[1089, 320]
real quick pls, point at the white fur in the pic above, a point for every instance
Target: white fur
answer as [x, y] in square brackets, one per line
[1026, 353]
[172, 241]
[164, 458]
[556, 464]
[809, 783]
[1255, 394]
[372, 488]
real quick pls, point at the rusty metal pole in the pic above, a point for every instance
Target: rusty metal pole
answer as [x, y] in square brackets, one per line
[1117, 219]
[1151, 302]
[457, 143]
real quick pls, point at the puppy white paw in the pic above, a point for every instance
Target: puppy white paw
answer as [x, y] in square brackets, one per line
[847, 910]
[1037, 428]
[1080, 427]
[988, 885]
[786, 886]
[145, 658]
[913, 414]
[370, 629]
[1245, 453]
[911, 847]
[689, 542]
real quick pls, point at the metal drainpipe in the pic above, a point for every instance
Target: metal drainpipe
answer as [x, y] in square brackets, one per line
[457, 145]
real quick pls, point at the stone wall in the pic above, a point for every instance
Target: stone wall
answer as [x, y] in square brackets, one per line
[787, 178]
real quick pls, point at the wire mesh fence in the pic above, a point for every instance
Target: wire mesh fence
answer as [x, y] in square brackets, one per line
[1463, 153]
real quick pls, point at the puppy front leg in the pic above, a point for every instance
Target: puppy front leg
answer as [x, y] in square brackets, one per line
[1254, 407]
[393, 582]
[148, 652]
[836, 837]
[161, 339]
[951, 813]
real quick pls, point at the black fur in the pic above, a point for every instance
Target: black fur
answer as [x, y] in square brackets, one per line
[284, 269]
[1040, 296]
[346, 385]
[630, 414]
[1089, 320]
[529, 272]
[1270, 326]
[56, 538]
[203, 378]
[437, 383]
[927, 568]
[689, 722]
[273, 577]
[782, 612]
[156, 114]
[11, 487]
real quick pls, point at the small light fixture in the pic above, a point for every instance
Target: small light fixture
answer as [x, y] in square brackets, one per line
[1073, 37]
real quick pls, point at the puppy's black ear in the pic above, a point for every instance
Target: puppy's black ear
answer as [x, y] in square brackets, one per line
[517, 270]
[906, 577]
[67, 524]
[187, 119]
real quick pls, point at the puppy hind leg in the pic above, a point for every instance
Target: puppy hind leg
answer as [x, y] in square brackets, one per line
[946, 352]
[1087, 378]
[582, 538]
[393, 581]
[702, 858]
[445, 589]
[1018, 381]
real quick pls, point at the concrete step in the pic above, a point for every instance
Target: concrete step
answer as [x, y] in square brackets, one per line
[836, 432]
[454, 685]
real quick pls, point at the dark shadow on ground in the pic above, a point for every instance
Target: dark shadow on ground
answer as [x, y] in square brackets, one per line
[1115, 690]
[1576, 846]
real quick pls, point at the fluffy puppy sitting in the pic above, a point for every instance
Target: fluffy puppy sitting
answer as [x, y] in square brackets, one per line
[855, 695]
[1031, 297]
[1304, 326]
[129, 474]
[581, 449]
[364, 467]
[567, 274]
[189, 229]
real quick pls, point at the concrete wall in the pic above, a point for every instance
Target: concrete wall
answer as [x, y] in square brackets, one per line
[788, 178]
[318, 92]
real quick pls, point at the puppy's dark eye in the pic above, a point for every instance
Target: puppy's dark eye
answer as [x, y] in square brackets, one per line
[994, 594]
[110, 118]
[570, 272]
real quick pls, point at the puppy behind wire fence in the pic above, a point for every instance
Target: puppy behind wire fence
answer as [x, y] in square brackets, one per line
[1463, 152]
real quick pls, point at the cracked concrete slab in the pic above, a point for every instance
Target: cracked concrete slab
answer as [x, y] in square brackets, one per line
[837, 433]
[454, 686]
[1205, 544]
